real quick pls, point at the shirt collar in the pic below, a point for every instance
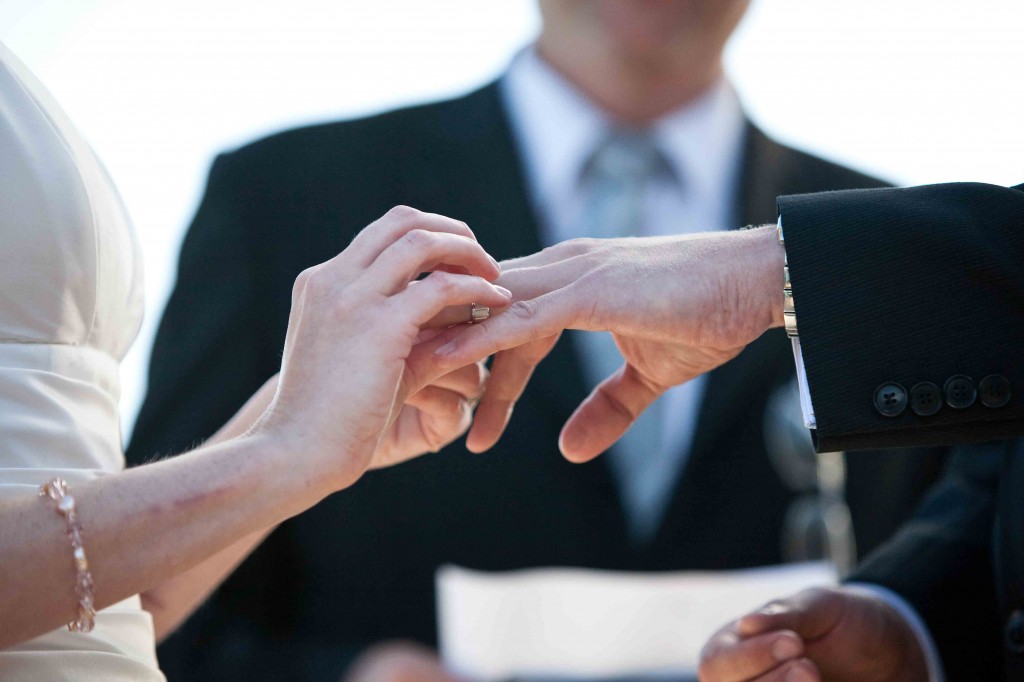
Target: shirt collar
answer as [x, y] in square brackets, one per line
[703, 140]
[558, 128]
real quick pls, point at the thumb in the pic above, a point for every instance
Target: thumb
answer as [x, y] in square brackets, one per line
[606, 414]
[812, 614]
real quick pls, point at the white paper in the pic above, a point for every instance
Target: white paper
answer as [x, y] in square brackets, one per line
[584, 624]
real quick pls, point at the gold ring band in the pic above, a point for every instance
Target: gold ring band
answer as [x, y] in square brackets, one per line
[478, 313]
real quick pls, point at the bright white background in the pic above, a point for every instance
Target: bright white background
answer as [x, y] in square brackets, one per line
[914, 90]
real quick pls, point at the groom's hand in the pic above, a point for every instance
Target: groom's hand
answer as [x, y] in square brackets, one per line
[677, 306]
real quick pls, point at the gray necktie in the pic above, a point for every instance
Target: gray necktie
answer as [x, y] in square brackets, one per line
[615, 181]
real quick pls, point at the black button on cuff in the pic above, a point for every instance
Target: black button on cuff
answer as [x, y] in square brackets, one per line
[925, 399]
[890, 400]
[960, 391]
[994, 390]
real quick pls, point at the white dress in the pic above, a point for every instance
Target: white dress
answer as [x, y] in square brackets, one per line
[70, 306]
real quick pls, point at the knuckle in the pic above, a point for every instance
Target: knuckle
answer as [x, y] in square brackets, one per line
[580, 246]
[417, 239]
[301, 280]
[443, 282]
[314, 281]
[402, 212]
[466, 231]
[523, 310]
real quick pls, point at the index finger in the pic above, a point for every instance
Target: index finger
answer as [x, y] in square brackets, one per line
[510, 373]
[393, 225]
[520, 323]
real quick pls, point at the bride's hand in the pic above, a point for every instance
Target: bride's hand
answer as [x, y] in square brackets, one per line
[433, 417]
[354, 322]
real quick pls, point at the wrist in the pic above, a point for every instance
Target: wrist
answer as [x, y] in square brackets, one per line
[298, 462]
[767, 260]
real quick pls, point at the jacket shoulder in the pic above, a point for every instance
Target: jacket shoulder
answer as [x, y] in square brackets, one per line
[822, 175]
[373, 136]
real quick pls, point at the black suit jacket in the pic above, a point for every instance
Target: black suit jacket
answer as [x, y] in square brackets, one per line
[360, 566]
[916, 287]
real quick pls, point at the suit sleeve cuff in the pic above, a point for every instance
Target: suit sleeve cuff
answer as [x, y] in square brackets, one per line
[912, 619]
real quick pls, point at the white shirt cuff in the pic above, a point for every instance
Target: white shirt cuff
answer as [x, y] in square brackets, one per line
[907, 612]
[805, 391]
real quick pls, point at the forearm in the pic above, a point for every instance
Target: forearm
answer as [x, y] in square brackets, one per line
[142, 527]
[761, 269]
[173, 601]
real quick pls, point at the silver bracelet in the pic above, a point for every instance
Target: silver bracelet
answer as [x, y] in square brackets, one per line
[788, 309]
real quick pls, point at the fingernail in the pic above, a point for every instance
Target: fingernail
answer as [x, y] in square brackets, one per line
[494, 260]
[504, 292]
[785, 648]
[446, 349]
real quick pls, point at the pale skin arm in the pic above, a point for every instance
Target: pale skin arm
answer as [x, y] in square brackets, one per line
[353, 324]
[171, 602]
[678, 307]
[431, 419]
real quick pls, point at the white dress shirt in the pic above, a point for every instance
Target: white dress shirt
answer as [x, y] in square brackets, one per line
[557, 130]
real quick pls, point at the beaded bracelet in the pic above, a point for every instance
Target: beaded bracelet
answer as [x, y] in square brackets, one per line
[57, 490]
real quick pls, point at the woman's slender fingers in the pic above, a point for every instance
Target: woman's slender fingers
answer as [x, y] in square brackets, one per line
[420, 251]
[438, 402]
[469, 381]
[522, 322]
[511, 371]
[390, 227]
[432, 418]
[443, 415]
[456, 314]
[424, 301]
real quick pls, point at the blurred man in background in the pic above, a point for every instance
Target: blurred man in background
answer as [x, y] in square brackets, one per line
[617, 121]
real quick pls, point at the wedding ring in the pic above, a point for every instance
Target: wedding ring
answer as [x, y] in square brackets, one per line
[478, 313]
